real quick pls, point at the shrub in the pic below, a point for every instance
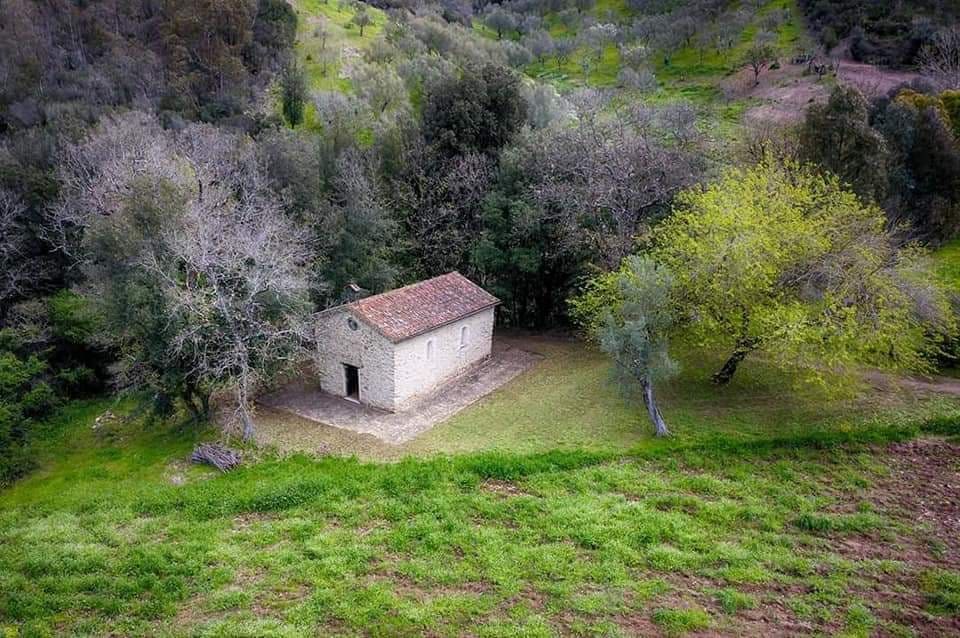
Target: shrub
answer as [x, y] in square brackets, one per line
[942, 589]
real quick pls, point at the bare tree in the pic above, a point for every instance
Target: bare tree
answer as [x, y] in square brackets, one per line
[608, 179]
[97, 176]
[940, 59]
[202, 279]
[758, 57]
[679, 120]
[238, 291]
[16, 271]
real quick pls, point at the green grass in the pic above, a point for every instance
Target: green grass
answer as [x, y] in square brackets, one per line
[677, 622]
[601, 72]
[344, 39]
[688, 63]
[942, 589]
[684, 534]
[570, 401]
[947, 264]
[685, 75]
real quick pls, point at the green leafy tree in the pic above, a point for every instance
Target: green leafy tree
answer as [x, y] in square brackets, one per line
[837, 137]
[293, 93]
[361, 19]
[25, 397]
[784, 261]
[629, 312]
[924, 174]
[479, 111]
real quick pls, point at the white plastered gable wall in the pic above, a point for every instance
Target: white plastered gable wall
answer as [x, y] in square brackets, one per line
[423, 362]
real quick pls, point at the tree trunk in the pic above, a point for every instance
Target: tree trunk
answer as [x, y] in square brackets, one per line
[247, 421]
[724, 374]
[204, 403]
[243, 404]
[649, 400]
[197, 402]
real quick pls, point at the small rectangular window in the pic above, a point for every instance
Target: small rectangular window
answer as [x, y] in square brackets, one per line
[464, 336]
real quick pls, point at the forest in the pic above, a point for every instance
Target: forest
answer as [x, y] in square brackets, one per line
[699, 194]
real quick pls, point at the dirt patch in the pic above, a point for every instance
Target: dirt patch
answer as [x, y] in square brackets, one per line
[923, 488]
[243, 522]
[921, 494]
[502, 488]
[873, 80]
[927, 385]
[409, 588]
[782, 94]
[272, 603]
[785, 93]
[176, 472]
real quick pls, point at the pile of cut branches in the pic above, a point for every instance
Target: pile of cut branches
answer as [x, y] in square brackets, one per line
[222, 458]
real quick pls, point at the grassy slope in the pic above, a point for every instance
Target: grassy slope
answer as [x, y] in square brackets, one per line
[664, 539]
[569, 401]
[344, 39]
[686, 76]
[947, 263]
[744, 509]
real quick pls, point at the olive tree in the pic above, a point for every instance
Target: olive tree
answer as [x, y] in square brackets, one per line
[362, 18]
[629, 313]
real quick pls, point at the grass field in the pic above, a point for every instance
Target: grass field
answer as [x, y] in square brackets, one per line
[947, 264]
[769, 511]
[342, 41]
[570, 401]
[801, 535]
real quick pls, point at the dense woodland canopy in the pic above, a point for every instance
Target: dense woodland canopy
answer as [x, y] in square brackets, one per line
[178, 194]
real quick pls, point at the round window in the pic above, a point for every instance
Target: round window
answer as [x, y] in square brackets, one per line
[352, 323]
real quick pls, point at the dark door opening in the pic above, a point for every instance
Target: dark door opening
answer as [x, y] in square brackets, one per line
[351, 375]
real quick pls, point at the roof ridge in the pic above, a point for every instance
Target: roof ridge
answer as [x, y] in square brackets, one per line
[407, 286]
[422, 306]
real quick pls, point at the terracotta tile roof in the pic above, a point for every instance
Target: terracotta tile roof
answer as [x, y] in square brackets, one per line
[418, 308]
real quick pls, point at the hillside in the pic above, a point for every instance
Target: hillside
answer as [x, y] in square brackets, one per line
[525, 318]
[814, 533]
[326, 39]
[706, 68]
